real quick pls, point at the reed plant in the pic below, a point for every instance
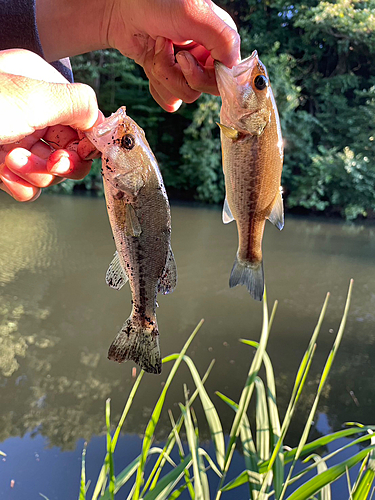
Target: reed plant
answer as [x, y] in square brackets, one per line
[269, 467]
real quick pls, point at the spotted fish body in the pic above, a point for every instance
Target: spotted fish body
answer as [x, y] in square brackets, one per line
[252, 154]
[139, 215]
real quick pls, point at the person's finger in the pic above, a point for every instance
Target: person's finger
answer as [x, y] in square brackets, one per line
[29, 167]
[17, 187]
[198, 77]
[68, 164]
[32, 105]
[72, 104]
[4, 188]
[41, 149]
[167, 74]
[171, 105]
[204, 24]
[59, 136]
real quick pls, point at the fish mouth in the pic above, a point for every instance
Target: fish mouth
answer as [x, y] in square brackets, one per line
[245, 65]
[112, 122]
[108, 126]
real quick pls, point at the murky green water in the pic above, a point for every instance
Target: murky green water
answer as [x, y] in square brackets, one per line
[58, 318]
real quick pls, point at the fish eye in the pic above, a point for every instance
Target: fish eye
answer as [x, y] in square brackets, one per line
[128, 141]
[260, 82]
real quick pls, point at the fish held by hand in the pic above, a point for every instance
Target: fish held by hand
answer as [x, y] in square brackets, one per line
[252, 153]
[139, 214]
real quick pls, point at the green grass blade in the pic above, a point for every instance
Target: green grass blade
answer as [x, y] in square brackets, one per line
[111, 486]
[203, 453]
[162, 459]
[43, 496]
[278, 465]
[172, 439]
[168, 479]
[315, 484]
[323, 379]
[314, 445]
[123, 477]
[193, 447]
[181, 452]
[364, 486]
[246, 394]
[362, 489]
[211, 414]
[156, 413]
[178, 492]
[125, 412]
[82, 489]
[262, 421]
[298, 385]
[321, 466]
[101, 481]
[241, 479]
[328, 457]
[4, 455]
[249, 452]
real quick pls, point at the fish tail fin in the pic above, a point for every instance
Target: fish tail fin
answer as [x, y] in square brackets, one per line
[138, 343]
[250, 275]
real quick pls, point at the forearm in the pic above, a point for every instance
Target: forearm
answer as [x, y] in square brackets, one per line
[70, 27]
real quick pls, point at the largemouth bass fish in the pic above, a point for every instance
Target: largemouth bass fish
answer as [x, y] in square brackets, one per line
[139, 215]
[252, 151]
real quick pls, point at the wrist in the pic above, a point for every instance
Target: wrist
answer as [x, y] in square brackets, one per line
[70, 27]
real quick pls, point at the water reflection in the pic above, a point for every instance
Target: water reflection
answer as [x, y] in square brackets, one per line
[58, 317]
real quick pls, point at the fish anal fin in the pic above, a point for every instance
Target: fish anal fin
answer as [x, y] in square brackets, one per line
[116, 277]
[249, 275]
[132, 224]
[227, 213]
[277, 214]
[229, 132]
[138, 343]
[168, 279]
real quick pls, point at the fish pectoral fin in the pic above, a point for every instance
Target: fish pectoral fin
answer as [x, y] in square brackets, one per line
[132, 224]
[227, 213]
[229, 132]
[116, 277]
[168, 279]
[277, 214]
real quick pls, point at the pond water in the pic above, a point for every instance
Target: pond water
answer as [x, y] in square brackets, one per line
[58, 318]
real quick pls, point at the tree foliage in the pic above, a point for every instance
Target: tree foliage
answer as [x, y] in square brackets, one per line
[321, 61]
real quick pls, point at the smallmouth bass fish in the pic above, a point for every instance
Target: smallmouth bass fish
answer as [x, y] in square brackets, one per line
[139, 214]
[252, 153]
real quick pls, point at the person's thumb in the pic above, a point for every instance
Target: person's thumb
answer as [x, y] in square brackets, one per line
[72, 104]
[34, 104]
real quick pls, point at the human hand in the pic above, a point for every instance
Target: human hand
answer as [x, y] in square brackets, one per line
[176, 42]
[42, 113]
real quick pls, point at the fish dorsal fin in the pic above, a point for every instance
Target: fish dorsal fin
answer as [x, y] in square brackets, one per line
[168, 279]
[116, 276]
[229, 132]
[132, 224]
[227, 213]
[277, 214]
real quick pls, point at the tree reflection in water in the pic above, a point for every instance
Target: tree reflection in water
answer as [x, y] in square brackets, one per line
[58, 317]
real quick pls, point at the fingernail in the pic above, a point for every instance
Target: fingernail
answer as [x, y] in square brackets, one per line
[18, 158]
[159, 44]
[185, 62]
[62, 166]
[176, 106]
